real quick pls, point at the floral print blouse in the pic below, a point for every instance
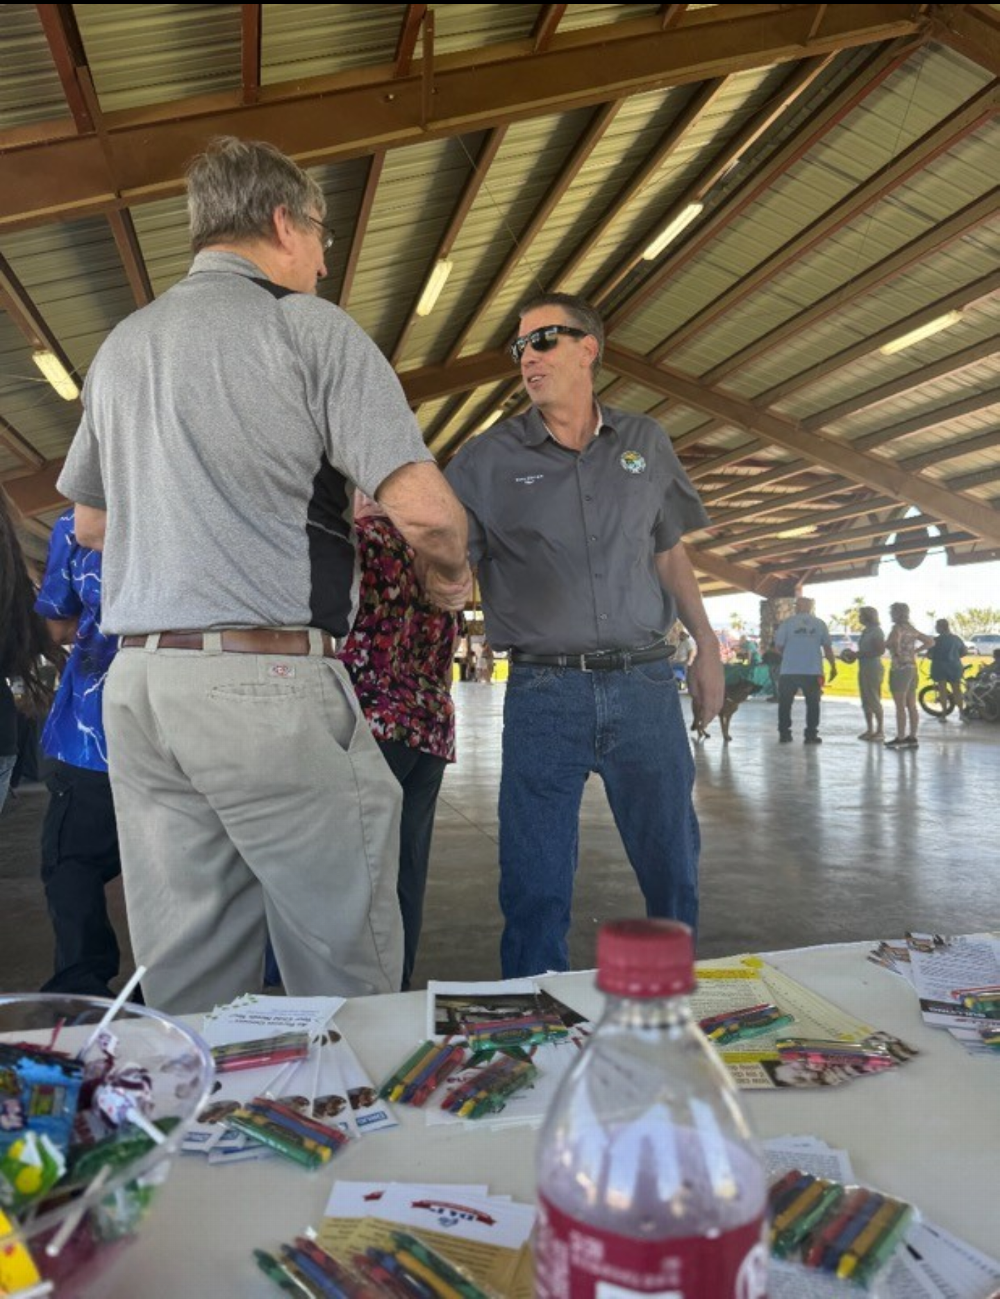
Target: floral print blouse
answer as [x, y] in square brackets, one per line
[400, 650]
[902, 644]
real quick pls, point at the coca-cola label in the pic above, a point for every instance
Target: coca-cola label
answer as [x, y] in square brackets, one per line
[576, 1261]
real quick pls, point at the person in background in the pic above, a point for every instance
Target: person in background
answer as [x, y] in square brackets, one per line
[79, 834]
[485, 663]
[399, 654]
[683, 655]
[871, 647]
[902, 643]
[24, 642]
[804, 641]
[946, 656]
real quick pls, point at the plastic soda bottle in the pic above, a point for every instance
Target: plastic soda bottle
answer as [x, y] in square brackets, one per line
[649, 1181]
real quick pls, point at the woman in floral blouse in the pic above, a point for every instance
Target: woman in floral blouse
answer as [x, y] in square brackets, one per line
[902, 643]
[399, 654]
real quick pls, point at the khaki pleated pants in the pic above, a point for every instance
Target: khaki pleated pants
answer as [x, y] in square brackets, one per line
[251, 799]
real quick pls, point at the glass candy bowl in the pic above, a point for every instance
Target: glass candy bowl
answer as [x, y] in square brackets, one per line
[75, 1235]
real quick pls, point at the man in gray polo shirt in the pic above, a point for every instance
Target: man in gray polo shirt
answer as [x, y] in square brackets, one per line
[224, 427]
[576, 514]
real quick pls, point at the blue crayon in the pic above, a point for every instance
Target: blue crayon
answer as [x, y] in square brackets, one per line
[838, 1247]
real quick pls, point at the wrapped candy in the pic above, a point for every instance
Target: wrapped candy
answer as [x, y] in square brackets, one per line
[126, 1096]
[29, 1168]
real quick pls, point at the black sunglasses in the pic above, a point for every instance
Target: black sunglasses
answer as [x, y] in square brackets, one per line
[326, 234]
[542, 340]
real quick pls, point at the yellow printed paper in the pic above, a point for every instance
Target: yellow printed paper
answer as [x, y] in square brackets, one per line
[17, 1268]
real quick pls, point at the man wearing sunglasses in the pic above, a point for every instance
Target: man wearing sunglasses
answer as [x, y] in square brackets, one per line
[576, 514]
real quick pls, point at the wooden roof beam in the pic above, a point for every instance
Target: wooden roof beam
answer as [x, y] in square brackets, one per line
[909, 382]
[939, 140]
[727, 570]
[429, 382]
[251, 21]
[18, 445]
[897, 263]
[361, 227]
[671, 15]
[879, 65]
[798, 545]
[130, 252]
[323, 119]
[840, 514]
[36, 493]
[753, 482]
[971, 29]
[548, 20]
[16, 302]
[66, 47]
[706, 467]
[927, 419]
[940, 455]
[957, 300]
[904, 547]
[743, 513]
[408, 36]
[484, 160]
[596, 130]
[794, 88]
[838, 457]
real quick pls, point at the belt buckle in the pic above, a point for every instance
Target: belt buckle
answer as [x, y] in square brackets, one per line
[583, 664]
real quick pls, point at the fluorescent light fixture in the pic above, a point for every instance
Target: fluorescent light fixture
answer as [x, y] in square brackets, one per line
[923, 331]
[791, 533]
[669, 232]
[432, 289]
[57, 374]
[490, 420]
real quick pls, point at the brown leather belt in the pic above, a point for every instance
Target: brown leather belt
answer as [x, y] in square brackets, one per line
[240, 640]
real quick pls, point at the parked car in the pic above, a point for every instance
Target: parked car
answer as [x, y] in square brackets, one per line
[984, 643]
[841, 641]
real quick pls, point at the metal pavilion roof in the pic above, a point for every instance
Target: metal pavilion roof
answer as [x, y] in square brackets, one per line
[845, 157]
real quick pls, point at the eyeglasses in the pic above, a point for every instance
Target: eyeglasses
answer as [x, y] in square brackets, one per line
[326, 234]
[542, 340]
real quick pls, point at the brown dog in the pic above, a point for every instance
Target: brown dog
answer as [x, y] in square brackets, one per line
[736, 692]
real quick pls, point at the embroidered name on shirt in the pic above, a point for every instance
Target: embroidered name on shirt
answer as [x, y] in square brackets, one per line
[528, 479]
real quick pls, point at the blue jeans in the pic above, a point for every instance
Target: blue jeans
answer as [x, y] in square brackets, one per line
[559, 726]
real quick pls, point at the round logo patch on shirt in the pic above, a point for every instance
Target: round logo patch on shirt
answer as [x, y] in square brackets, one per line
[633, 463]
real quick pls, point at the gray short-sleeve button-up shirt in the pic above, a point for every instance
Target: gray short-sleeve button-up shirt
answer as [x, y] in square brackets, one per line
[565, 541]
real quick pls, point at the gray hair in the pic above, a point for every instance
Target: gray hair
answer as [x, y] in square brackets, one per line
[235, 186]
[580, 312]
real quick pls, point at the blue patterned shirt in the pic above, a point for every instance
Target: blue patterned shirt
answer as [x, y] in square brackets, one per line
[74, 732]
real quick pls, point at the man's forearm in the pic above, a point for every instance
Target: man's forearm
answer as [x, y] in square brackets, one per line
[430, 516]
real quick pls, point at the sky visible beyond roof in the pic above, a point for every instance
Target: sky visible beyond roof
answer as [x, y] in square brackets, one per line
[934, 590]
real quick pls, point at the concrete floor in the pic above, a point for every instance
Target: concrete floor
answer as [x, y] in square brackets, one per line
[801, 845]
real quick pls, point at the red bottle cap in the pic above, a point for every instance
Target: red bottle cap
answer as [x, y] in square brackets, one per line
[645, 958]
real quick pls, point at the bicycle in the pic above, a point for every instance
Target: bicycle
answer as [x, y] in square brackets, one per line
[936, 699]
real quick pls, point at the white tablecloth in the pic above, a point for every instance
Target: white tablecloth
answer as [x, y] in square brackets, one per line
[929, 1132]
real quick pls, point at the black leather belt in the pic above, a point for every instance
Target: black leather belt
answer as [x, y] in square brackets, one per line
[602, 661]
